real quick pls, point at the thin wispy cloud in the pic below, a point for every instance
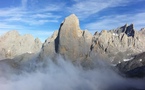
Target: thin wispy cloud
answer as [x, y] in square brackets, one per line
[46, 15]
[110, 22]
[86, 8]
[24, 3]
[22, 14]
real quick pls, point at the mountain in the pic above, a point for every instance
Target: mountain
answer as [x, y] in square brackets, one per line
[120, 43]
[69, 41]
[12, 44]
[134, 67]
[75, 44]
[119, 46]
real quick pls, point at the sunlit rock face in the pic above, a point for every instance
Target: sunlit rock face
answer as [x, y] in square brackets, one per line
[70, 41]
[13, 44]
[75, 44]
[119, 43]
[48, 47]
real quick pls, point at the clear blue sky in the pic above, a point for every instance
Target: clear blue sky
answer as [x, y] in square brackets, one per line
[42, 17]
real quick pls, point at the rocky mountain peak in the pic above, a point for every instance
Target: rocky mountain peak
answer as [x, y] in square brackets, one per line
[14, 32]
[142, 31]
[71, 42]
[70, 38]
[13, 44]
[128, 30]
[70, 25]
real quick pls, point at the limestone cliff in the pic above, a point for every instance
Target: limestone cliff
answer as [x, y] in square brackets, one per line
[13, 44]
[119, 43]
[75, 44]
[70, 41]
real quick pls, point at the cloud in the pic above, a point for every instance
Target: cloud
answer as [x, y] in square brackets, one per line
[114, 21]
[25, 15]
[86, 8]
[65, 76]
[8, 12]
[50, 7]
[24, 3]
[6, 26]
[45, 15]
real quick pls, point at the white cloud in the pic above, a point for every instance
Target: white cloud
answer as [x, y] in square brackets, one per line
[32, 17]
[9, 26]
[112, 22]
[45, 15]
[86, 8]
[38, 22]
[50, 7]
[63, 75]
[7, 12]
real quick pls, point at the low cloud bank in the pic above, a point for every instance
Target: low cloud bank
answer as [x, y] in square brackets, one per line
[63, 75]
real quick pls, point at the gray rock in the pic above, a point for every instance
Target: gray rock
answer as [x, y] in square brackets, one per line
[48, 47]
[134, 67]
[128, 30]
[71, 42]
[13, 44]
[121, 40]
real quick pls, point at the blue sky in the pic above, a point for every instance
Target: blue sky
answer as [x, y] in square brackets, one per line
[42, 17]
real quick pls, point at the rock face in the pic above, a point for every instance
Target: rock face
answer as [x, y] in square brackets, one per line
[134, 67]
[74, 44]
[12, 44]
[70, 41]
[120, 43]
[48, 47]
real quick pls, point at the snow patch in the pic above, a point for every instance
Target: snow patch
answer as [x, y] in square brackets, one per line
[140, 60]
[127, 59]
[115, 34]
